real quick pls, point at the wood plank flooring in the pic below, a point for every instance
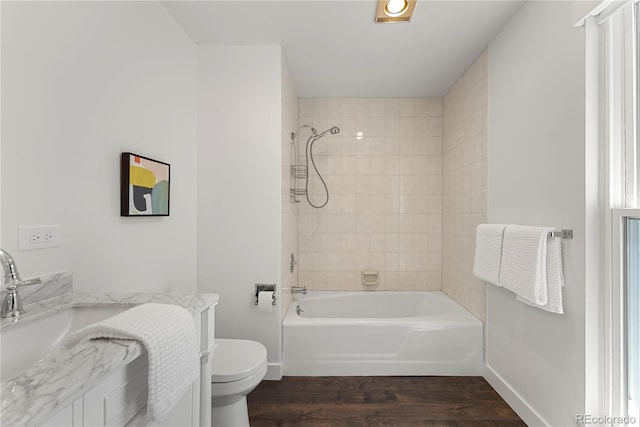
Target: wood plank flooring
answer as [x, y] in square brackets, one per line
[379, 401]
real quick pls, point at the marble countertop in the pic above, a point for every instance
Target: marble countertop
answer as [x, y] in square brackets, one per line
[63, 376]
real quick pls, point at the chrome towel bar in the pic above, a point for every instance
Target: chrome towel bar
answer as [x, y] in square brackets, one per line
[565, 234]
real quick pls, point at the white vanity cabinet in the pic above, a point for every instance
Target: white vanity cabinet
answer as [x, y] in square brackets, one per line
[121, 399]
[67, 416]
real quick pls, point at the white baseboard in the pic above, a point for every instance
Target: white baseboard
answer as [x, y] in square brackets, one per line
[529, 415]
[274, 372]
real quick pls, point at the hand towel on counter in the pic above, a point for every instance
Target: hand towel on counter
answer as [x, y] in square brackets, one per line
[168, 333]
[555, 278]
[486, 265]
[524, 262]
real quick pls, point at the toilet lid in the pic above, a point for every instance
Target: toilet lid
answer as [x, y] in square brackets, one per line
[234, 360]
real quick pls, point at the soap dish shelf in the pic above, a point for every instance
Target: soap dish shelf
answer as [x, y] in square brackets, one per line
[297, 172]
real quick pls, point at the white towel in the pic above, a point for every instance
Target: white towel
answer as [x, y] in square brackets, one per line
[168, 333]
[524, 262]
[486, 265]
[555, 278]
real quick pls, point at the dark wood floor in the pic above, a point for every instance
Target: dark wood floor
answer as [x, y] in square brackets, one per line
[379, 401]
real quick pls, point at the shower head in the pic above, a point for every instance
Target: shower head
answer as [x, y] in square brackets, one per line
[334, 130]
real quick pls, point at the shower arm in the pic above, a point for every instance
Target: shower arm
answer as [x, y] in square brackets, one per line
[314, 132]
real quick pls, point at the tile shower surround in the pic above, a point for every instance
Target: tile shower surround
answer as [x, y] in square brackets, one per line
[465, 184]
[385, 184]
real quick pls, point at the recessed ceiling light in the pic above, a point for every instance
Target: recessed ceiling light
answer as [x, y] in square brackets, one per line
[394, 10]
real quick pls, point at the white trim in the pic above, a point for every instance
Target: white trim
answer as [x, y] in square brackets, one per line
[595, 182]
[614, 35]
[601, 11]
[608, 8]
[274, 372]
[629, 100]
[632, 159]
[620, 38]
[520, 406]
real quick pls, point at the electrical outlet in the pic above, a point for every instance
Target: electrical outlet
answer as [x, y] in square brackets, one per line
[38, 237]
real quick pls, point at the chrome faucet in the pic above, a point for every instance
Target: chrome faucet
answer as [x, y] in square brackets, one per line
[299, 290]
[12, 303]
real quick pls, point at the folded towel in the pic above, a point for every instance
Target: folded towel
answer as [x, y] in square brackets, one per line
[555, 278]
[486, 265]
[168, 333]
[524, 262]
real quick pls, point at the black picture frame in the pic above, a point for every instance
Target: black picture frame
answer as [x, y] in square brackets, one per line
[144, 186]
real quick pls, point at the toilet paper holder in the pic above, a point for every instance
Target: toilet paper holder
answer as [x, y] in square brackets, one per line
[265, 288]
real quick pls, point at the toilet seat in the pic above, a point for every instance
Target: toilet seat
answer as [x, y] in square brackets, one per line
[234, 360]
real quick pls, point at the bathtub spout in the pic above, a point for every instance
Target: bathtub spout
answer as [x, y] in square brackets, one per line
[299, 290]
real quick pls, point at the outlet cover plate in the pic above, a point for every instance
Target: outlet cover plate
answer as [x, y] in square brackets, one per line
[38, 237]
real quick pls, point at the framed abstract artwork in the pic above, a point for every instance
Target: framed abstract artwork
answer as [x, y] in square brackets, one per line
[144, 186]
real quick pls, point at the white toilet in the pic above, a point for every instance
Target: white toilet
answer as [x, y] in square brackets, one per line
[238, 367]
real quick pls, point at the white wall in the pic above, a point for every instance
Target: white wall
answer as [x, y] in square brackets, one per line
[536, 177]
[83, 81]
[239, 187]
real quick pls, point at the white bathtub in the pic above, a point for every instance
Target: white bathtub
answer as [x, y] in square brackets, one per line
[380, 333]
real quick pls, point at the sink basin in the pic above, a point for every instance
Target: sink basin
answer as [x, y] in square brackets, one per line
[27, 342]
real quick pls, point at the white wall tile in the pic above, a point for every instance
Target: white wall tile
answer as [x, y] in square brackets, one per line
[386, 193]
[463, 183]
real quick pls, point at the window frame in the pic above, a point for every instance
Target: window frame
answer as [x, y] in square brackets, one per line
[613, 36]
[618, 312]
[619, 34]
[630, 139]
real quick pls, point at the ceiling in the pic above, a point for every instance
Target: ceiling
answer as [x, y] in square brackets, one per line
[334, 49]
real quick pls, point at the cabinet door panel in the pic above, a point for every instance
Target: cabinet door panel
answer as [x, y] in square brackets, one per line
[119, 398]
[64, 418]
[184, 414]
[123, 403]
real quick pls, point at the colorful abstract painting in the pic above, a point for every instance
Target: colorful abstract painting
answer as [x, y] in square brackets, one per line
[144, 186]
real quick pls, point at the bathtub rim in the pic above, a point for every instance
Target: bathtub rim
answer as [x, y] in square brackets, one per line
[461, 316]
